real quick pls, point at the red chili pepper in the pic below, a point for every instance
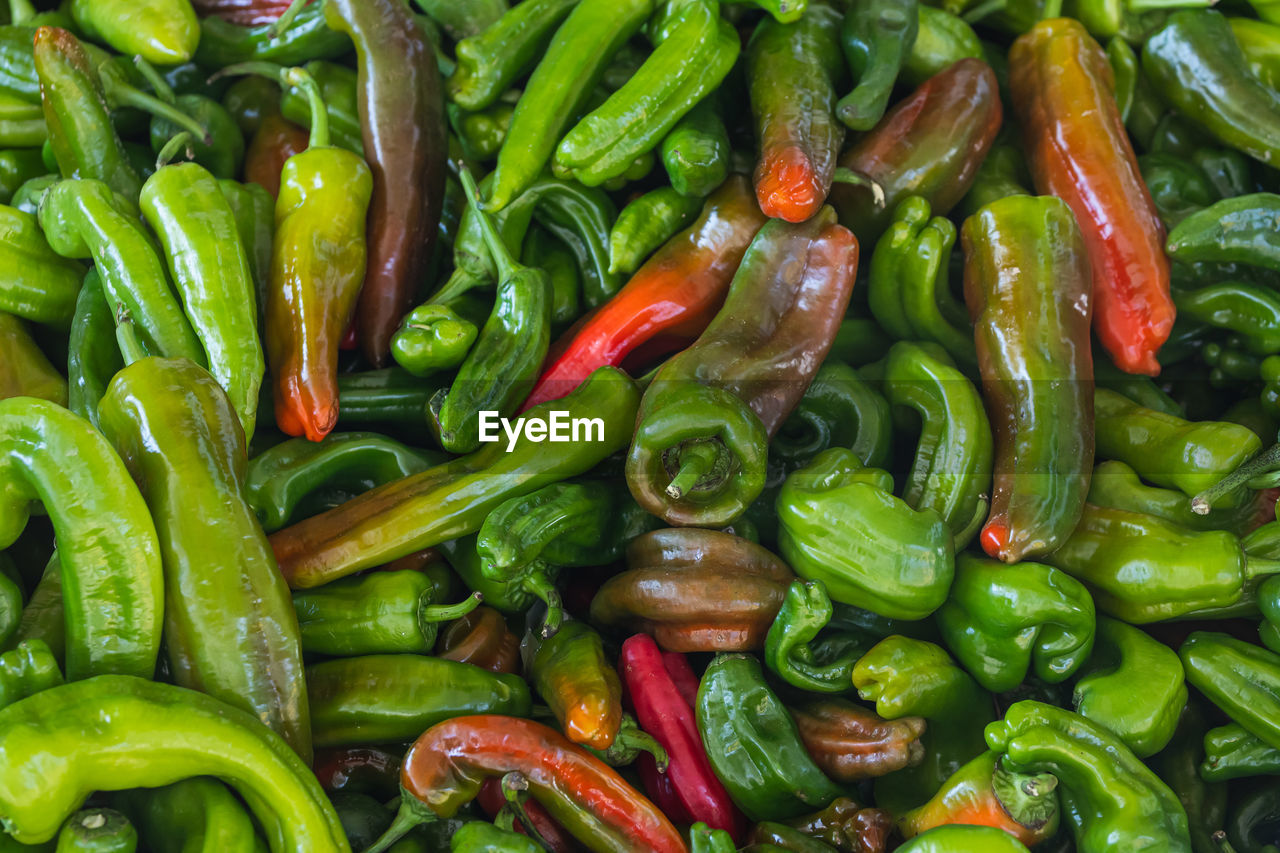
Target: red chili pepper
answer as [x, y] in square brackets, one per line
[243, 13]
[276, 140]
[668, 302]
[1078, 150]
[662, 711]
[361, 769]
[557, 837]
[685, 679]
[446, 766]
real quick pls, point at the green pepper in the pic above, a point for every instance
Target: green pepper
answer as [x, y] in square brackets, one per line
[840, 522]
[572, 675]
[1177, 765]
[37, 284]
[906, 677]
[111, 572]
[683, 69]
[1253, 825]
[85, 219]
[10, 605]
[294, 477]
[16, 168]
[306, 38]
[338, 87]
[229, 626]
[1240, 678]
[1235, 229]
[1134, 686]
[1003, 173]
[696, 152]
[959, 838]
[1109, 796]
[1251, 312]
[877, 38]
[22, 125]
[1260, 43]
[392, 612]
[254, 212]
[791, 653]
[390, 698]
[1116, 485]
[647, 223]
[164, 31]
[26, 669]
[42, 617]
[432, 338]
[1231, 752]
[114, 732]
[93, 356]
[196, 815]
[999, 622]
[491, 60]
[480, 133]
[548, 253]
[25, 371]
[480, 837]
[97, 830]
[839, 408]
[1197, 66]
[951, 473]
[249, 100]
[753, 744]
[1167, 450]
[1177, 187]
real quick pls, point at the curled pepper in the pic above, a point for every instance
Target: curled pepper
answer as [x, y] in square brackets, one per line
[698, 452]
[1028, 290]
[98, 829]
[695, 590]
[480, 638]
[491, 60]
[877, 39]
[26, 669]
[851, 743]
[789, 648]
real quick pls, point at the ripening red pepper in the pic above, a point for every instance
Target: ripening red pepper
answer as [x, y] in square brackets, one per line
[689, 787]
[242, 13]
[492, 801]
[1078, 150]
[667, 303]
[276, 140]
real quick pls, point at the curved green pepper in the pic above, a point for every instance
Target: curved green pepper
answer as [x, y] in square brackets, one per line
[960, 838]
[37, 283]
[42, 618]
[696, 152]
[491, 60]
[647, 223]
[1000, 621]
[432, 338]
[161, 31]
[840, 522]
[1109, 796]
[791, 653]
[1234, 230]
[26, 669]
[111, 574]
[114, 732]
[753, 744]
[1231, 752]
[306, 38]
[1134, 686]
[877, 38]
[1177, 187]
[229, 625]
[1251, 312]
[196, 815]
[1116, 485]
[839, 408]
[1240, 678]
[93, 355]
[391, 698]
[392, 612]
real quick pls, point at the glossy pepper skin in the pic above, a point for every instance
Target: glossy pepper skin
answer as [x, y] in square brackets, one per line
[491, 60]
[1001, 622]
[647, 223]
[839, 408]
[196, 815]
[850, 743]
[386, 698]
[663, 689]
[876, 38]
[164, 32]
[879, 553]
[1116, 485]
[792, 651]
[37, 284]
[670, 299]
[1231, 752]
[792, 73]
[560, 87]
[697, 53]
[25, 371]
[1134, 686]
[86, 219]
[571, 674]
[985, 793]
[339, 87]
[157, 734]
[452, 499]
[1240, 678]
[1079, 151]
[1233, 230]
[695, 590]
[112, 585]
[480, 638]
[930, 144]
[963, 839]
[271, 146]
[225, 42]
[1195, 63]
[444, 768]
[753, 743]
[98, 829]
[1028, 291]
[432, 338]
[906, 677]
[401, 107]
[187, 210]
[230, 630]
[93, 354]
[385, 612]
[1107, 794]
[26, 669]
[696, 152]
[697, 455]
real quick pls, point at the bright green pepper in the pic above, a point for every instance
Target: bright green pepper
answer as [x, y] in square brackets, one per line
[1109, 796]
[491, 60]
[391, 698]
[960, 838]
[1134, 686]
[18, 166]
[480, 837]
[791, 653]
[110, 572]
[161, 31]
[93, 356]
[839, 409]
[696, 152]
[306, 38]
[753, 744]
[393, 612]
[432, 338]
[941, 40]
[1231, 752]
[877, 38]
[1000, 621]
[42, 617]
[1240, 678]
[1115, 484]
[229, 625]
[647, 223]
[114, 732]
[25, 371]
[840, 523]
[26, 669]
[37, 284]
[906, 677]
[1260, 43]
[480, 133]
[196, 815]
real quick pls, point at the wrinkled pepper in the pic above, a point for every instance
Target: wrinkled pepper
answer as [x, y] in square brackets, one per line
[850, 743]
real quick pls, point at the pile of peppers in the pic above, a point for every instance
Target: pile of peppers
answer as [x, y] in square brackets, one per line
[640, 426]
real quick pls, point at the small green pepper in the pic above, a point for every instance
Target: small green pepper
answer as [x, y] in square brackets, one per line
[26, 669]
[196, 815]
[1231, 752]
[791, 653]
[1240, 678]
[647, 223]
[97, 830]
[877, 38]
[696, 152]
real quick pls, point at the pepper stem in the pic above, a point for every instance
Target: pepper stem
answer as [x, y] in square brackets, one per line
[1027, 798]
[982, 10]
[1265, 462]
[172, 147]
[1224, 846]
[1257, 567]
[513, 785]
[845, 175]
[21, 11]
[696, 460]
[1052, 9]
[122, 94]
[319, 114]
[537, 583]
[507, 265]
[127, 337]
[1137, 7]
[413, 812]
[429, 614]
[158, 84]
[283, 22]
[645, 742]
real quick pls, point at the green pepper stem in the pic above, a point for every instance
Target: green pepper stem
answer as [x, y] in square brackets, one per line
[21, 11]
[1026, 798]
[982, 10]
[1224, 846]
[459, 282]
[1264, 463]
[1137, 7]
[127, 337]
[319, 114]
[285, 20]
[514, 784]
[695, 461]
[507, 265]
[645, 742]
[845, 175]
[413, 812]
[1257, 567]
[429, 614]
[158, 84]
[172, 147]
[1052, 9]
[537, 583]
[123, 94]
